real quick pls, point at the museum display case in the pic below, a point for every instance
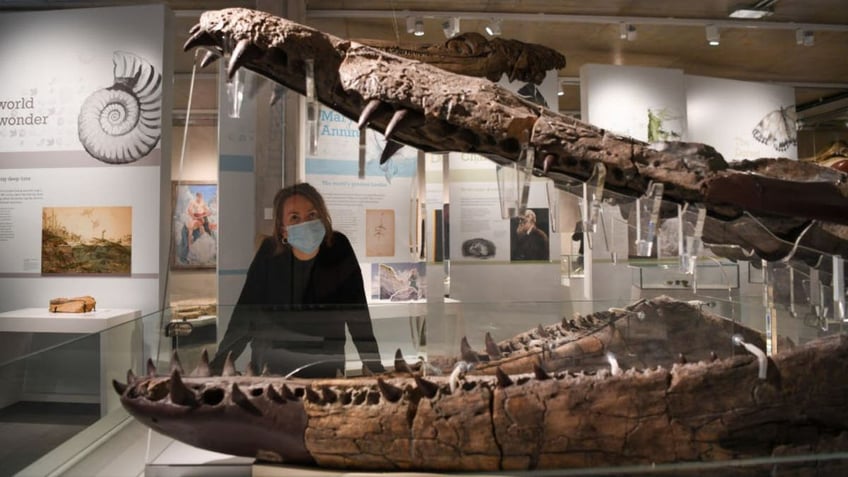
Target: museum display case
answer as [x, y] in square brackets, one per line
[57, 395]
[669, 338]
[455, 330]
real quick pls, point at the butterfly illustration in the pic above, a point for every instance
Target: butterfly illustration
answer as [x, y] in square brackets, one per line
[777, 128]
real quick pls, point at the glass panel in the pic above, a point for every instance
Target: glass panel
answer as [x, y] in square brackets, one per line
[57, 398]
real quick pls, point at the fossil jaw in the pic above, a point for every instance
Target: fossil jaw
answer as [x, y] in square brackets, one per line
[433, 110]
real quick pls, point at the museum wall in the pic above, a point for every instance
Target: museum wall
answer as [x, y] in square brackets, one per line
[199, 165]
[83, 205]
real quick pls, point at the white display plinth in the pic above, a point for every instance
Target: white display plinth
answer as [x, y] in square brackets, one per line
[39, 320]
[72, 356]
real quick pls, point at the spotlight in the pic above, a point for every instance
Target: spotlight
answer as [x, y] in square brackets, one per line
[805, 37]
[712, 35]
[451, 27]
[626, 31]
[494, 27]
[415, 25]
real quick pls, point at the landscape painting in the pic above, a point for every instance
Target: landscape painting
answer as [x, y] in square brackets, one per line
[86, 240]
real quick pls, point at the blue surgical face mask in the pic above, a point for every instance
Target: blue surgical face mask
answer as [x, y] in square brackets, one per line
[306, 236]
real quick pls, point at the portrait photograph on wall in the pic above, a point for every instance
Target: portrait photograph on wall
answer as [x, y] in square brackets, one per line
[195, 225]
[86, 240]
[529, 236]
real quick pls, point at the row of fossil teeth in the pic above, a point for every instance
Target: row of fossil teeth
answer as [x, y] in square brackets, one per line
[194, 396]
[201, 38]
[539, 339]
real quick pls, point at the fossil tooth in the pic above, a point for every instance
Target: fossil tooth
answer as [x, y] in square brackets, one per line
[229, 366]
[390, 392]
[209, 58]
[199, 38]
[549, 159]
[467, 353]
[681, 358]
[180, 393]
[176, 365]
[288, 394]
[328, 396]
[400, 363]
[151, 368]
[273, 395]
[131, 379]
[542, 331]
[540, 372]
[266, 371]
[249, 370]
[397, 117]
[713, 356]
[428, 388]
[194, 29]
[202, 370]
[312, 396]
[503, 379]
[492, 347]
[241, 400]
[367, 111]
[389, 150]
[237, 57]
[119, 386]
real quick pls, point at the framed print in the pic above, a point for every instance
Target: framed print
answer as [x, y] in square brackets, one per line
[86, 240]
[195, 225]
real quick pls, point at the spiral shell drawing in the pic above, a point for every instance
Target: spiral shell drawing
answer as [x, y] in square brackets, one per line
[122, 123]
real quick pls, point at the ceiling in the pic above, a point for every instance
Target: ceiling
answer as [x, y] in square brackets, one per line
[670, 34]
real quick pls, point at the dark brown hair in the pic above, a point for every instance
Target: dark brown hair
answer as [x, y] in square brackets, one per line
[308, 192]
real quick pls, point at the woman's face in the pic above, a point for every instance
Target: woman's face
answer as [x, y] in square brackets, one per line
[298, 209]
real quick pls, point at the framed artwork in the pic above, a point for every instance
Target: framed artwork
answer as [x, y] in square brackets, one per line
[86, 240]
[379, 232]
[194, 230]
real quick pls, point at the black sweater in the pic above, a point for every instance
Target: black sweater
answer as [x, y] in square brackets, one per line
[287, 332]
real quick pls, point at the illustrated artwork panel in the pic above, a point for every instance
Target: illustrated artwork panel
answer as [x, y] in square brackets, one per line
[379, 232]
[86, 240]
[400, 281]
[195, 226]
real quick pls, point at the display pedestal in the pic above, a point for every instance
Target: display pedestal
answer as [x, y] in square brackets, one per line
[73, 356]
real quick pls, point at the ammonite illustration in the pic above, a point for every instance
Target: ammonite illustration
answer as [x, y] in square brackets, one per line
[121, 124]
[478, 248]
[778, 129]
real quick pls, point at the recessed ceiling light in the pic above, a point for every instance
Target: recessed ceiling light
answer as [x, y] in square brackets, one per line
[750, 13]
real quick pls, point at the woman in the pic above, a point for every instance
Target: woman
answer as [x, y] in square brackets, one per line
[303, 286]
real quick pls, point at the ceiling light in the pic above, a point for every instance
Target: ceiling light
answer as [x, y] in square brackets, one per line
[712, 35]
[415, 25]
[626, 31]
[451, 27]
[494, 27]
[805, 37]
[760, 9]
[749, 13]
